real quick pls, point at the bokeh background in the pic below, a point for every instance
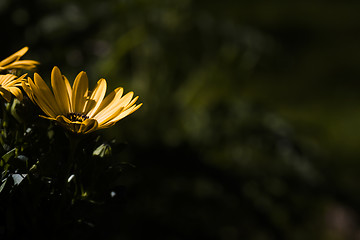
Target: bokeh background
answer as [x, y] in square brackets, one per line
[250, 123]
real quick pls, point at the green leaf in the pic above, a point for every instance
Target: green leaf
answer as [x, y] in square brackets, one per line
[8, 155]
[3, 185]
[104, 150]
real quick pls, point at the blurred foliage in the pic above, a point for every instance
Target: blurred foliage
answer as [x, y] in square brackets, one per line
[249, 124]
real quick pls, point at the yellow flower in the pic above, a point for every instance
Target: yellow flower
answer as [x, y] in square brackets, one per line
[76, 108]
[9, 84]
[13, 61]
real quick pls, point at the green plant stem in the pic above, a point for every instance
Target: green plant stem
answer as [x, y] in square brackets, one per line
[74, 165]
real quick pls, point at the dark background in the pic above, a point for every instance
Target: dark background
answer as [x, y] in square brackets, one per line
[249, 128]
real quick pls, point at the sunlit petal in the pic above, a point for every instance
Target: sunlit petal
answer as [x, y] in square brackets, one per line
[109, 115]
[9, 84]
[5, 79]
[43, 91]
[60, 90]
[27, 90]
[96, 97]
[44, 99]
[80, 91]
[68, 88]
[88, 126]
[109, 103]
[22, 64]
[16, 92]
[5, 94]
[131, 103]
[121, 115]
[124, 101]
[13, 62]
[14, 56]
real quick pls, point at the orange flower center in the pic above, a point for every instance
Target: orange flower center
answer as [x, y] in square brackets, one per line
[76, 117]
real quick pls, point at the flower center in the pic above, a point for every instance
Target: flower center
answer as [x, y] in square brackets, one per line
[76, 117]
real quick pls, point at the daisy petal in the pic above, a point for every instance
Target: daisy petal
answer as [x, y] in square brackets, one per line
[16, 92]
[68, 86]
[60, 90]
[5, 94]
[14, 56]
[23, 64]
[109, 104]
[27, 90]
[88, 126]
[43, 96]
[122, 115]
[96, 97]
[80, 91]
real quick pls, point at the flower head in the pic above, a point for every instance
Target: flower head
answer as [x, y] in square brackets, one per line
[76, 108]
[9, 84]
[13, 62]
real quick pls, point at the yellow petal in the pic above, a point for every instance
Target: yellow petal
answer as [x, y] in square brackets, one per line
[63, 119]
[42, 89]
[108, 116]
[16, 92]
[21, 52]
[5, 79]
[43, 96]
[14, 56]
[109, 104]
[109, 101]
[46, 117]
[44, 106]
[60, 91]
[80, 91]
[68, 86]
[21, 78]
[5, 94]
[69, 91]
[11, 80]
[88, 126]
[132, 102]
[65, 122]
[124, 101]
[96, 97]
[121, 115]
[23, 64]
[28, 91]
[120, 105]
[108, 124]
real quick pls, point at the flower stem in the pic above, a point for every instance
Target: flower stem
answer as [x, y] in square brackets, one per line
[74, 166]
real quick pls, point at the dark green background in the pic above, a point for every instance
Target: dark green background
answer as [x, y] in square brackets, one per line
[249, 128]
